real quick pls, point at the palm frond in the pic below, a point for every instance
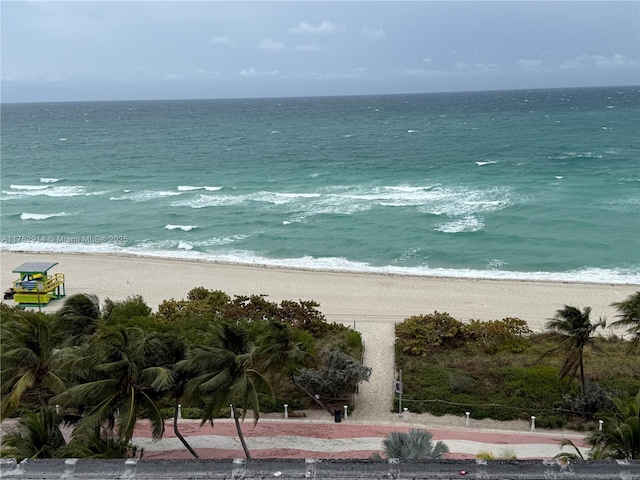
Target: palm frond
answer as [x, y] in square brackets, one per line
[158, 378]
[86, 393]
[155, 416]
[417, 444]
[12, 400]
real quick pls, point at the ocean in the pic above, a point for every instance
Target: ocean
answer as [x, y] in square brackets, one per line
[526, 184]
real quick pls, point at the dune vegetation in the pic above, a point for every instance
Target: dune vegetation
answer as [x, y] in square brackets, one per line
[570, 375]
[102, 368]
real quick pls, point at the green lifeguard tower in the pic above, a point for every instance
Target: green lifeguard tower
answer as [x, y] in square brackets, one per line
[36, 286]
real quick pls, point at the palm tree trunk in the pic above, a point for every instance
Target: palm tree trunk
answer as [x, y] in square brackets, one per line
[179, 435]
[239, 429]
[582, 380]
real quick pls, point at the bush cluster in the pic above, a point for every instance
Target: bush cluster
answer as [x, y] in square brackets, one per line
[203, 303]
[421, 335]
[496, 370]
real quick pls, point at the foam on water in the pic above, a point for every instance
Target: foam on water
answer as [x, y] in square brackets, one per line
[42, 216]
[189, 188]
[184, 228]
[350, 200]
[466, 224]
[185, 250]
[204, 201]
[49, 180]
[145, 195]
[19, 191]
[28, 187]
[182, 245]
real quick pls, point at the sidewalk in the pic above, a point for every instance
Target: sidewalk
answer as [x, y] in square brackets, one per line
[324, 438]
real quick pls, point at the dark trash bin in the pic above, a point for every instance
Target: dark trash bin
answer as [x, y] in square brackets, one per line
[337, 415]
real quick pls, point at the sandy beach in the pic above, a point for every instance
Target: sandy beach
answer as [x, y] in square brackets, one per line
[371, 303]
[343, 296]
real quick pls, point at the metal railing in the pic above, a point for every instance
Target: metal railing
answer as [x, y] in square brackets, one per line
[33, 286]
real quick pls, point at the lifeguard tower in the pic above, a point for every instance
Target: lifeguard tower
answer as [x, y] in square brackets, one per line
[36, 286]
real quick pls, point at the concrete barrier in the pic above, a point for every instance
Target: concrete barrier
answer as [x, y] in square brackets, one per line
[318, 469]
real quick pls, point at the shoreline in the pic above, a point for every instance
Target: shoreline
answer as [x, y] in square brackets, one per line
[436, 273]
[381, 272]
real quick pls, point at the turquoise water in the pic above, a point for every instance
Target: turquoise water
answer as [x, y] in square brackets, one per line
[540, 184]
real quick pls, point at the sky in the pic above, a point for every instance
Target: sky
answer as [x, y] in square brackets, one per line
[138, 50]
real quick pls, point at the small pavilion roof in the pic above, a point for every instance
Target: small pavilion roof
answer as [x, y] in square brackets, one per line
[35, 267]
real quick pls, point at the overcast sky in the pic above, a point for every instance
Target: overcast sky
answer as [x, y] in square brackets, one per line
[122, 50]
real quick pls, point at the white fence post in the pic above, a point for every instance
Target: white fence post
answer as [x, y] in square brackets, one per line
[533, 423]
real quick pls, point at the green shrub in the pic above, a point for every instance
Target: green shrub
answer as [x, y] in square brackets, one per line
[188, 413]
[277, 405]
[421, 334]
[460, 383]
[133, 306]
[495, 336]
[545, 420]
[622, 387]
[594, 399]
[533, 388]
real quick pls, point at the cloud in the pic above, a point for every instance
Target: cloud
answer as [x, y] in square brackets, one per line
[309, 47]
[476, 67]
[324, 28]
[268, 44]
[599, 61]
[374, 33]
[220, 40]
[252, 72]
[419, 72]
[530, 65]
[174, 77]
[460, 69]
[353, 74]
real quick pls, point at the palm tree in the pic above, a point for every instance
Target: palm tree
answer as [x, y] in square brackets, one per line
[504, 454]
[182, 377]
[618, 440]
[38, 436]
[629, 317]
[78, 318]
[98, 445]
[283, 349]
[228, 377]
[125, 385]
[417, 444]
[620, 436]
[575, 331]
[597, 452]
[28, 360]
